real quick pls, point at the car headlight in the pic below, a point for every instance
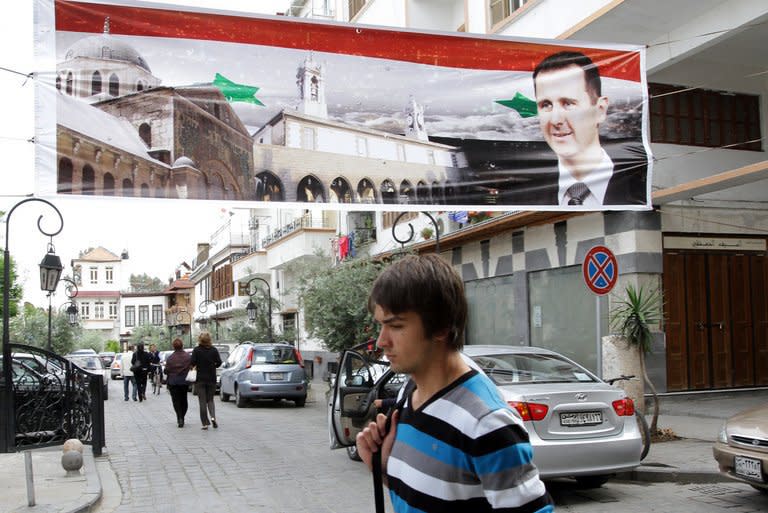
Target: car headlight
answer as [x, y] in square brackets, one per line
[722, 436]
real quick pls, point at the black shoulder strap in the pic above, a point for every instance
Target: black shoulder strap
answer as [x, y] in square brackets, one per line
[378, 485]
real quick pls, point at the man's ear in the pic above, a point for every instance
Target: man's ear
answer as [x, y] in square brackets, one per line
[443, 336]
[602, 108]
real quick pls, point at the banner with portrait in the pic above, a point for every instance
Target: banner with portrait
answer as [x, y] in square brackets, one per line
[157, 102]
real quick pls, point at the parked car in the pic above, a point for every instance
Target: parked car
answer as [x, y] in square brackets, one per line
[223, 350]
[91, 363]
[264, 371]
[741, 449]
[116, 369]
[83, 351]
[579, 426]
[107, 357]
[41, 364]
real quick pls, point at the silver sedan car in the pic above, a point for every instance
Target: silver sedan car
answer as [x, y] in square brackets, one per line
[579, 426]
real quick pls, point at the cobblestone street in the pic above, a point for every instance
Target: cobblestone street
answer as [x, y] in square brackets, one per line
[274, 458]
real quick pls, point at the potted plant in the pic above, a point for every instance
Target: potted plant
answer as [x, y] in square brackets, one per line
[427, 232]
[632, 316]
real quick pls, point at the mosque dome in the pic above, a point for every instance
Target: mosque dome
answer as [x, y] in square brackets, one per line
[184, 162]
[106, 47]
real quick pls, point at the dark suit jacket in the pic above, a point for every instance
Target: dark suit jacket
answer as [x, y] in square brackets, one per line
[627, 186]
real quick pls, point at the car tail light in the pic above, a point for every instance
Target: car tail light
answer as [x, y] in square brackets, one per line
[624, 407]
[297, 355]
[249, 359]
[530, 411]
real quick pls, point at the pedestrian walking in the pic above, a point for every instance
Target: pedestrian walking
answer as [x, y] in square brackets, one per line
[205, 358]
[176, 368]
[452, 444]
[140, 367]
[129, 380]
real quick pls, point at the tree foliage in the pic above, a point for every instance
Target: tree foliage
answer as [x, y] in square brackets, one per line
[151, 334]
[15, 292]
[31, 328]
[145, 283]
[335, 301]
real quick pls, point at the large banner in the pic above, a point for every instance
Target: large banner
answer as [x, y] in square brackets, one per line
[158, 102]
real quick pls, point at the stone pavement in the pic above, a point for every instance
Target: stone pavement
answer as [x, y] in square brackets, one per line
[111, 480]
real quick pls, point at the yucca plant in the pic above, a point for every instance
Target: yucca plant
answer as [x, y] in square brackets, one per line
[632, 317]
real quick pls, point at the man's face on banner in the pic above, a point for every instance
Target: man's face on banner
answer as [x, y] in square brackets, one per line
[568, 115]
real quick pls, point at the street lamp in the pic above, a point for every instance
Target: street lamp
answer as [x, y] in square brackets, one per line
[251, 307]
[48, 280]
[71, 291]
[203, 322]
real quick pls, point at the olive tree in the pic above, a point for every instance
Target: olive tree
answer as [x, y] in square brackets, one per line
[334, 301]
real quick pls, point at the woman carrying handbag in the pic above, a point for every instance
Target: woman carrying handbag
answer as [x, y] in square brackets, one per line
[177, 368]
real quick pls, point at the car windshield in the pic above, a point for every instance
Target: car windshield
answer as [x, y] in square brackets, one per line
[511, 369]
[274, 355]
[92, 363]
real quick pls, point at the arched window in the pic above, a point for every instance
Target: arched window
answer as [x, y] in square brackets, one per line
[145, 132]
[144, 190]
[114, 85]
[139, 86]
[58, 83]
[70, 83]
[109, 184]
[127, 187]
[314, 89]
[64, 184]
[216, 188]
[96, 83]
[89, 180]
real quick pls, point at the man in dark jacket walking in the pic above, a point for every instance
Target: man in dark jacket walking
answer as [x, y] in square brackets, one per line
[205, 358]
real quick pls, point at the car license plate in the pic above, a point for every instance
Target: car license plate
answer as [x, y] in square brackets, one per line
[277, 376]
[748, 467]
[581, 418]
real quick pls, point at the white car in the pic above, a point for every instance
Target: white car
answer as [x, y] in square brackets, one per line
[579, 425]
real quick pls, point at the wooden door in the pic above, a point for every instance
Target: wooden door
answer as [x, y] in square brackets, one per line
[759, 283]
[742, 328]
[719, 325]
[675, 325]
[697, 321]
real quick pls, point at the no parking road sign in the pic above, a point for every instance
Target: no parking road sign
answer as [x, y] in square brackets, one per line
[600, 270]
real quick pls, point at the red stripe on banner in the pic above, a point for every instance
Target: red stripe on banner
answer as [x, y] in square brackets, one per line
[419, 47]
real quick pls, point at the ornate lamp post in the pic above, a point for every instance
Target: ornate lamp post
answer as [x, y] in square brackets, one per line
[251, 307]
[411, 233]
[50, 272]
[203, 308]
[71, 291]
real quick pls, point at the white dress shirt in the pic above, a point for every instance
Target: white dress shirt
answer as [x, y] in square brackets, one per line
[596, 180]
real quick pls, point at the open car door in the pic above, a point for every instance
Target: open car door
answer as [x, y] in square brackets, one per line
[350, 403]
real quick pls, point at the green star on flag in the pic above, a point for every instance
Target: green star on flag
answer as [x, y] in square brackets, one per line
[522, 104]
[235, 92]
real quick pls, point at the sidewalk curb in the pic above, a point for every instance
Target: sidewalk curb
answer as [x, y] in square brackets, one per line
[648, 474]
[93, 490]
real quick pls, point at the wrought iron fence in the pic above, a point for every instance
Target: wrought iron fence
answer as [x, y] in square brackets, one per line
[55, 400]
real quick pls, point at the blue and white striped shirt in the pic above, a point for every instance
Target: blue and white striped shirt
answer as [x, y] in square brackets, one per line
[464, 450]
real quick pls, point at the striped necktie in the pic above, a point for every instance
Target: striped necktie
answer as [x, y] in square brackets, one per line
[578, 192]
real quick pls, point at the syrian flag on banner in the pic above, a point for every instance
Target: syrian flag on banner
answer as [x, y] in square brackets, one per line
[235, 92]
[522, 104]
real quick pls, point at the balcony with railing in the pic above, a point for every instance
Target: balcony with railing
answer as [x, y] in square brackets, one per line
[300, 238]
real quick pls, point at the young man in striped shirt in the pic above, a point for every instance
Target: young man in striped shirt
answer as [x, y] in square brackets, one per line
[454, 446]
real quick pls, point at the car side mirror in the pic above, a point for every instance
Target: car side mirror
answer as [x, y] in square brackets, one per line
[355, 381]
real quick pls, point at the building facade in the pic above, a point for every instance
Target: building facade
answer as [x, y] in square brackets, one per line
[703, 244]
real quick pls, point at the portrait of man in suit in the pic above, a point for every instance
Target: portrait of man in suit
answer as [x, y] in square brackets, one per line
[571, 107]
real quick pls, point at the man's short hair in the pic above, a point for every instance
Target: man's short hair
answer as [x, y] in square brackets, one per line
[177, 344]
[428, 286]
[204, 339]
[562, 60]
